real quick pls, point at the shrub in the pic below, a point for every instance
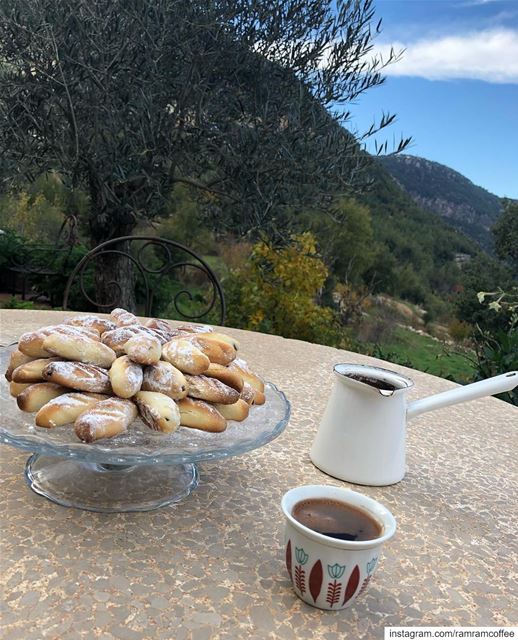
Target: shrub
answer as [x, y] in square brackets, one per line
[390, 356]
[12, 249]
[487, 275]
[376, 331]
[15, 303]
[497, 349]
[459, 330]
[186, 223]
[277, 291]
[351, 302]
[32, 216]
[437, 309]
[53, 286]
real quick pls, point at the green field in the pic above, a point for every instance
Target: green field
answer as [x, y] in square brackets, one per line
[425, 354]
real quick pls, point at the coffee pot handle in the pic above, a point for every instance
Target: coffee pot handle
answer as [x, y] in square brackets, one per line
[489, 387]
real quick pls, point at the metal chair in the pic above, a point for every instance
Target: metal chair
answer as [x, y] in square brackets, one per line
[32, 268]
[195, 293]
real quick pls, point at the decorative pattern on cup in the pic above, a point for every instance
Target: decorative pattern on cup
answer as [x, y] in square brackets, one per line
[335, 587]
[352, 585]
[300, 575]
[316, 577]
[288, 559]
[371, 565]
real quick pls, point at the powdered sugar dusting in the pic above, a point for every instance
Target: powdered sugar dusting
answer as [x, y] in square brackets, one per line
[247, 393]
[162, 336]
[66, 408]
[92, 322]
[162, 328]
[126, 377]
[209, 407]
[72, 330]
[75, 347]
[196, 328]
[210, 389]
[181, 350]
[139, 444]
[78, 370]
[123, 318]
[70, 400]
[78, 375]
[163, 377]
[141, 347]
[117, 338]
[33, 340]
[111, 411]
[134, 375]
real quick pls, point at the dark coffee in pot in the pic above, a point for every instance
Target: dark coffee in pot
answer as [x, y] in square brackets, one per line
[372, 382]
[336, 519]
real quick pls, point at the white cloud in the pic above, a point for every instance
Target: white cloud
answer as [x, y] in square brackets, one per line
[474, 3]
[490, 55]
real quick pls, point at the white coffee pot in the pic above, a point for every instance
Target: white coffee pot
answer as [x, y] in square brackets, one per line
[361, 437]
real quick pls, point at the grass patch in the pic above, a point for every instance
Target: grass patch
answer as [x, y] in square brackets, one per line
[424, 354]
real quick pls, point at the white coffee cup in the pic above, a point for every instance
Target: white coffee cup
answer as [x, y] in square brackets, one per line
[330, 573]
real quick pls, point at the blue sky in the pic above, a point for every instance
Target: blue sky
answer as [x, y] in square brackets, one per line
[455, 91]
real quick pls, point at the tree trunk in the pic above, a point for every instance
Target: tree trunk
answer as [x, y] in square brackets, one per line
[113, 207]
[115, 280]
[115, 274]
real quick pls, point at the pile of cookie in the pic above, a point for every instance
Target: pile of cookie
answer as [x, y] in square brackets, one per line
[101, 374]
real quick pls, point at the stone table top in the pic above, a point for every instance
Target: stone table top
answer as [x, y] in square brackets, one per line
[212, 566]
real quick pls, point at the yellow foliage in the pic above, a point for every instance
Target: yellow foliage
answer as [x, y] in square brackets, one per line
[351, 302]
[24, 219]
[277, 292]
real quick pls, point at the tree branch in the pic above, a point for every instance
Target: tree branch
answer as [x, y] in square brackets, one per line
[204, 187]
[69, 97]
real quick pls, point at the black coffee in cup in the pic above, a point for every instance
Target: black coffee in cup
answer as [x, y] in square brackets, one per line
[336, 519]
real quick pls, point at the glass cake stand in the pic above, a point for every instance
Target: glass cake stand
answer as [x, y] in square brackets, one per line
[137, 471]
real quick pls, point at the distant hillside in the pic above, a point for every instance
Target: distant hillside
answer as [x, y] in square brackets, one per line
[447, 193]
[416, 254]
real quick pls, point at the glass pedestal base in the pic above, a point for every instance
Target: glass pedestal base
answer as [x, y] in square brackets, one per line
[109, 488]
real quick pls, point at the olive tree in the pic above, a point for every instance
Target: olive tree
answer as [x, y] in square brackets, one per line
[241, 100]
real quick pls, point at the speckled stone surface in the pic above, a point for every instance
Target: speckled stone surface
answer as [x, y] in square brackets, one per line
[212, 566]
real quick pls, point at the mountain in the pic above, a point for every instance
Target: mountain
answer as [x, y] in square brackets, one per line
[447, 193]
[418, 253]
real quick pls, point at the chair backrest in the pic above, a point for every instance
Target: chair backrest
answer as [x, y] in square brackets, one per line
[171, 280]
[50, 257]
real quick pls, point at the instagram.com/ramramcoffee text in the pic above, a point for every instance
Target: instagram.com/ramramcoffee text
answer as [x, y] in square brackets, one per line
[413, 633]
